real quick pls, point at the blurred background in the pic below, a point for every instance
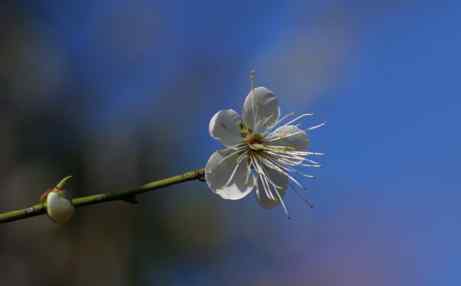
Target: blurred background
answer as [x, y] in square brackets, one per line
[118, 93]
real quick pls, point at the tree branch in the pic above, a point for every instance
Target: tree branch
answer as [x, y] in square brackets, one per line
[128, 196]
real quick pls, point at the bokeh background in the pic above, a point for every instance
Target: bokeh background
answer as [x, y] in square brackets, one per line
[118, 93]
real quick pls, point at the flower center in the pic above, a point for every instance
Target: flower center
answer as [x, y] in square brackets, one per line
[253, 138]
[254, 141]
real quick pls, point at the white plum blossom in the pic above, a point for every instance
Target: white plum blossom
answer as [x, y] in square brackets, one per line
[263, 152]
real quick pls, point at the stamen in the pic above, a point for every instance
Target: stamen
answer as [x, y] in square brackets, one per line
[316, 153]
[276, 124]
[273, 138]
[268, 187]
[311, 161]
[276, 190]
[311, 165]
[286, 160]
[264, 122]
[230, 155]
[265, 185]
[234, 171]
[238, 146]
[308, 176]
[288, 156]
[248, 173]
[288, 169]
[261, 176]
[285, 172]
[294, 183]
[316, 126]
[305, 200]
[298, 118]
[285, 209]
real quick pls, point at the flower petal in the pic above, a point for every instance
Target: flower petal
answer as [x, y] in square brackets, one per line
[290, 136]
[228, 175]
[276, 178]
[260, 109]
[225, 127]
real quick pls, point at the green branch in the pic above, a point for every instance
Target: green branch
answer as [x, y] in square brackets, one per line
[128, 196]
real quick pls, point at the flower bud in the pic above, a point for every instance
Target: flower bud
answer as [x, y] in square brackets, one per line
[58, 207]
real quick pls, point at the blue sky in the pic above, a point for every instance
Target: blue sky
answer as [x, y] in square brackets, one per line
[383, 75]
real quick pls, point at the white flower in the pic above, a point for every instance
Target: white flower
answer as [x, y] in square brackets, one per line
[261, 151]
[58, 207]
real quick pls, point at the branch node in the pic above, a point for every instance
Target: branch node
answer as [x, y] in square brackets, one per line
[129, 196]
[201, 177]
